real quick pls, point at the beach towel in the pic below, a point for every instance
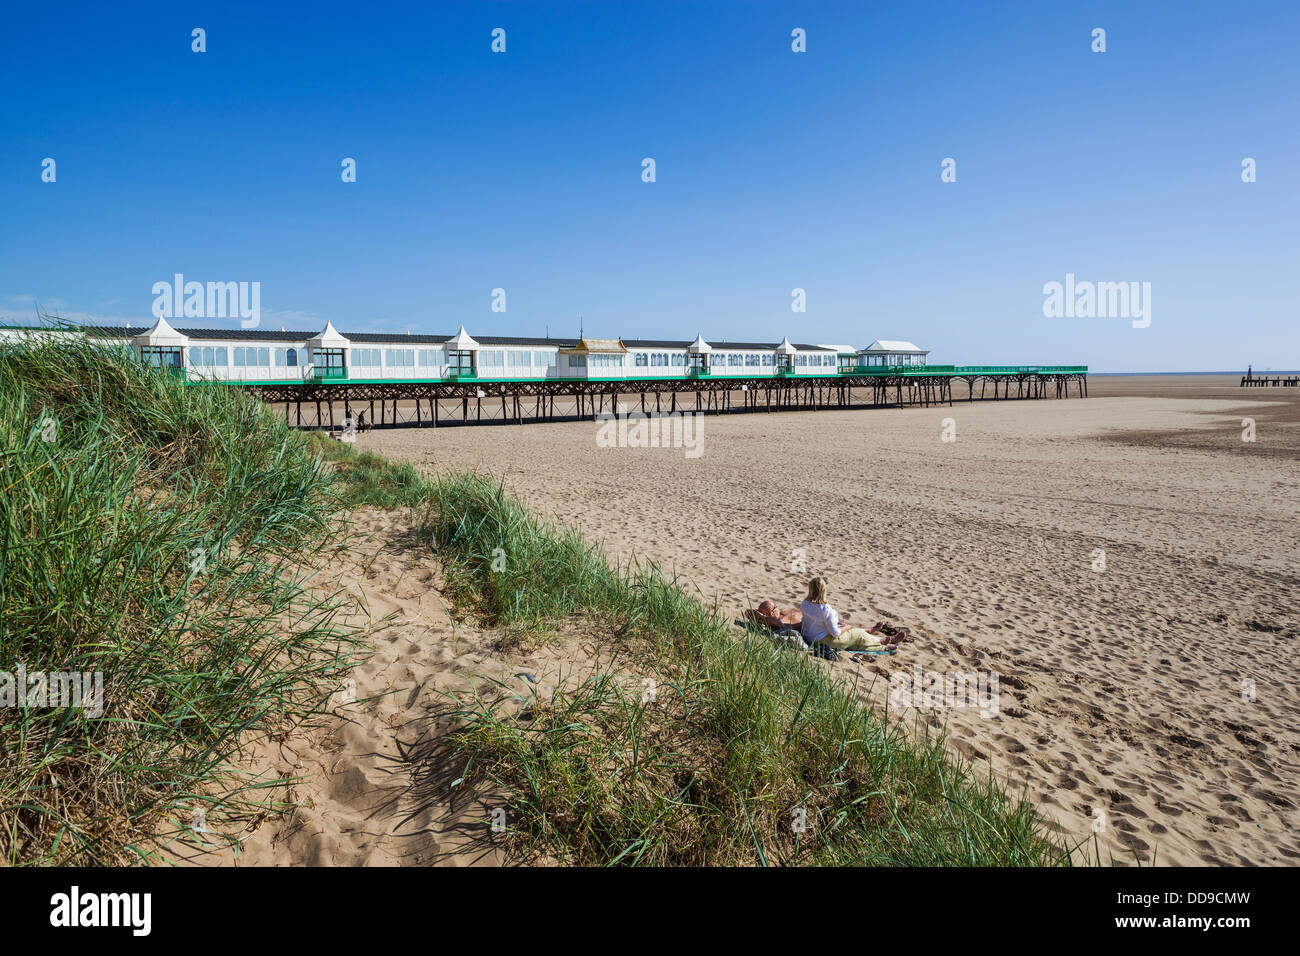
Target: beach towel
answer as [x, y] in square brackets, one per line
[787, 635]
[791, 638]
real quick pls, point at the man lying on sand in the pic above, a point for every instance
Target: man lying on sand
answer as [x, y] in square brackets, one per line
[778, 619]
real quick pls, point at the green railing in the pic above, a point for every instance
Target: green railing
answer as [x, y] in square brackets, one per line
[1019, 369]
[336, 374]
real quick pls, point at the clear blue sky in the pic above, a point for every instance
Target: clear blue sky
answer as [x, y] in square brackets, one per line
[775, 170]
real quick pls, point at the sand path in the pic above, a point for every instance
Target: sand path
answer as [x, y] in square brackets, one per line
[373, 787]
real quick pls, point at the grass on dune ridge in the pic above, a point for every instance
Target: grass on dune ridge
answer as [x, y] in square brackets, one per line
[153, 533]
[693, 745]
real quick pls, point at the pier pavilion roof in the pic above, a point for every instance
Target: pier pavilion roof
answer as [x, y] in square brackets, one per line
[356, 338]
[893, 345]
[424, 338]
[719, 345]
[598, 345]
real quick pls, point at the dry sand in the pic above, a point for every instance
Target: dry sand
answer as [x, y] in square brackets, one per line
[1124, 692]
[372, 786]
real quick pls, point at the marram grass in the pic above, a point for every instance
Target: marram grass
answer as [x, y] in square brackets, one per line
[153, 533]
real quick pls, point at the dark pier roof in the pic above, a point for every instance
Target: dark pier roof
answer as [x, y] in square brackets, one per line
[398, 338]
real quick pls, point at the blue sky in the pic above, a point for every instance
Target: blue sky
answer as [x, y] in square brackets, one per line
[775, 170]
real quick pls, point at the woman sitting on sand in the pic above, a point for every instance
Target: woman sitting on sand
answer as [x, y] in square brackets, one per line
[821, 625]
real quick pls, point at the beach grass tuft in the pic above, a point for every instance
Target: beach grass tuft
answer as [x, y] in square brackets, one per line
[152, 533]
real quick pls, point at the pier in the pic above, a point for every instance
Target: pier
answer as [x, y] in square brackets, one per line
[440, 403]
[320, 379]
[1270, 381]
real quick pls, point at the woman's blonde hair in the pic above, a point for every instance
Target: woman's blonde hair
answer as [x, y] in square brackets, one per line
[817, 591]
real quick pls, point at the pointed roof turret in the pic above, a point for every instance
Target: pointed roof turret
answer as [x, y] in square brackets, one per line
[462, 341]
[328, 338]
[161, 334]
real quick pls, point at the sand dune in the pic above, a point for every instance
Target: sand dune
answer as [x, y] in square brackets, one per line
[372, 785]
[1125, 693]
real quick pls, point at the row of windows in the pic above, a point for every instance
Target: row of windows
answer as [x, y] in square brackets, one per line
[398, 358]
[659, 359]
[427, 358]
[730, 360]
[595, 361]
[252, 357]
[209, 356]
[896, 360]
[819, 359]
[160, 356]
[215, 356]
[516, 358]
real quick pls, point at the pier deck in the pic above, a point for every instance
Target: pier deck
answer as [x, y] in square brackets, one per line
[1266, 381]
[435, 403]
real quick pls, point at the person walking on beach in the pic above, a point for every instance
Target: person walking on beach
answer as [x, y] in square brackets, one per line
[821, 625]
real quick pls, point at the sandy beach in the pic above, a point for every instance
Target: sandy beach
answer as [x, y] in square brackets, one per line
[414, 503]
[1125, 564]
